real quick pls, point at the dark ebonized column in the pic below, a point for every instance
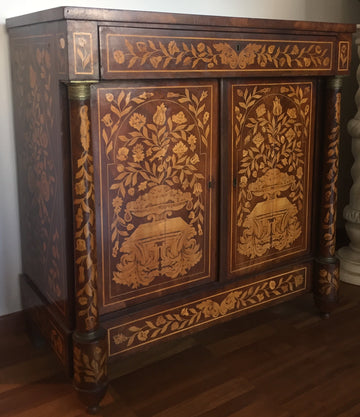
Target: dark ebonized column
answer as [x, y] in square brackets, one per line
[327, 266]
[89, 342]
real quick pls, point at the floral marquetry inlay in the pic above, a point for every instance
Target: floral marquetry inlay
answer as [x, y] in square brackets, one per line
[271, 131]
[34, 81]
[83, 53]
[344, 56]
[130, 52]
[328, 225]
[328, 280]
[157, 148]
[166, 323]
[84, 228]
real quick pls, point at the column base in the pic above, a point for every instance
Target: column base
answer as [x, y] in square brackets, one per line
[349, 265]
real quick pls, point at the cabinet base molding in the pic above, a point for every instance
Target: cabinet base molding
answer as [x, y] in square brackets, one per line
[147, 328]
[38, 312]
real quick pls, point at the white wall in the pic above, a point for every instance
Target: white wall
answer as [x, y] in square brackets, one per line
[10, 264]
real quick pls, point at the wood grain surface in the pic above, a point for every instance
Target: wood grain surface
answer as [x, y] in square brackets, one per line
[284, 361]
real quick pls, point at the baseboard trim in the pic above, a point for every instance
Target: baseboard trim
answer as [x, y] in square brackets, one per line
[15, 322]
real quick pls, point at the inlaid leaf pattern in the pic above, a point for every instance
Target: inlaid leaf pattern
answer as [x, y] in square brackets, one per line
[271, 131]
[212, 308]
[330, 190]
[328, 281]
[162, 53]
[89, 367]
[84, 236]
[155, 144]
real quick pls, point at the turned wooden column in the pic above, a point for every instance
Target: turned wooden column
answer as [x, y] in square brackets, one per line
[349, 256]
[327, 265]
[89, 342]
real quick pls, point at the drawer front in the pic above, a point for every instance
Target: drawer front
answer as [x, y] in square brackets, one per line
[145, 53]
[129, 333]
[270, 153]
[155, 148]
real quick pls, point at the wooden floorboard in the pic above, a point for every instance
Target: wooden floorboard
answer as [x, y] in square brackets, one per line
[280, 362]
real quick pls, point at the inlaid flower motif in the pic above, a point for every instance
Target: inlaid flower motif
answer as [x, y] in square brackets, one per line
[159, 117]
[107, 120]
[141, 46]
[292, 113]
[160, 321]
[197, 189]
[261, 110]
[117, 204]
[243, 181]
[209, 308]
[120, 338]
[179, 118]
[228, 56]
[258, 139]
[137, 121]
[142, 186]
[194, 159]
[173, 48]
[122, 153]
[119, 57]
[277, 108]
[192, 142]
[109, 97]
[299, 279]
[138, 153]
[82, 42]
[180, 148]
[230, 302]
[143, 335]
[248, 54]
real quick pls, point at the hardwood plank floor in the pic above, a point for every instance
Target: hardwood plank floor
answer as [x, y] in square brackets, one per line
[280, 362]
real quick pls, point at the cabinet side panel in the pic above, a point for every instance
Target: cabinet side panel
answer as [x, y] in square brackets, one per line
[38, 62]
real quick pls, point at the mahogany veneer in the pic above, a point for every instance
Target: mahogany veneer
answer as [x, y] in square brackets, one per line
[174, 171]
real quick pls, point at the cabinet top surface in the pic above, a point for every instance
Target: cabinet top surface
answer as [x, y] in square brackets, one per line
[127, 16]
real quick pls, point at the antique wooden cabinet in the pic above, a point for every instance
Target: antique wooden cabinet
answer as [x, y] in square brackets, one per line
[174, 171]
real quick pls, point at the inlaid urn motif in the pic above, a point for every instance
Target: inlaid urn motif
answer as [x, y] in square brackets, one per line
[157, 147]
[272, 127]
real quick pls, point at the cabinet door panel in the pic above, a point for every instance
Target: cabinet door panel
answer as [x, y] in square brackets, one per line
[155, 149]
[270, 154]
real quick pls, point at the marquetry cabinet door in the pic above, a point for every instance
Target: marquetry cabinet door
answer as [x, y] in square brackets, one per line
[269, 149]
[155, 166]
